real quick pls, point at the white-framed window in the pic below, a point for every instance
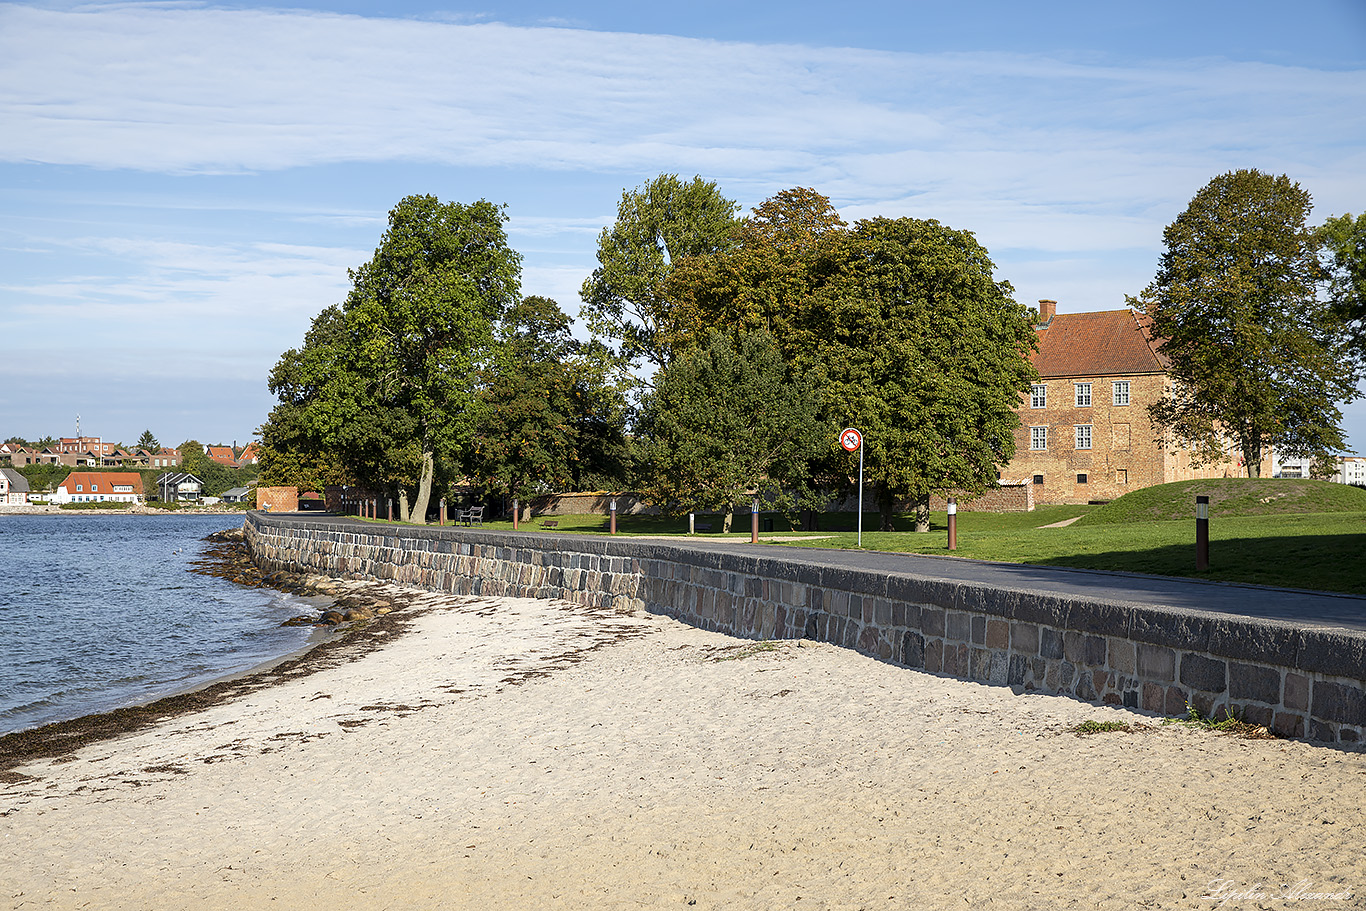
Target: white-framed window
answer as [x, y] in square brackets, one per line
[1121, 390]
[1038, 396]
[1083, 436]
[80, 487]
[95, 487]
[1038, 438]
[1083, 391]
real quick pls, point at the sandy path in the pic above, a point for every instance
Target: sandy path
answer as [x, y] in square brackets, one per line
[526, 754]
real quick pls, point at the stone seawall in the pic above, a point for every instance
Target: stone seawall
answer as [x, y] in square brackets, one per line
[1299, 681]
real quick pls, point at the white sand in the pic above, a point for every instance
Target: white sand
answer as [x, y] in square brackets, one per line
[523, 754]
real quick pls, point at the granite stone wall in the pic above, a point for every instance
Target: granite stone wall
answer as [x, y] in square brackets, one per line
[1301, 682]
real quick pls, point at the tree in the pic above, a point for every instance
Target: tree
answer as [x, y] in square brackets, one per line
[1255, 355]
[1344, 240]
[148, 442]
[543, 409]
[729, 417]
[658, 225]
[900, 321]
[385, 382]
[927, 354]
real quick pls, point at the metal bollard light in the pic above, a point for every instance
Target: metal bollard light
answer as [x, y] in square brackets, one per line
[754, 521]
[442, 519]
[953, 524]
[614, 516]
[1201, 533]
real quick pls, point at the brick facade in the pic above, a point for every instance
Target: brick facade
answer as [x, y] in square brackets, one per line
[1085, 433]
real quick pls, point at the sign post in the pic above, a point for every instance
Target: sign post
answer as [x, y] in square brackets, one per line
[852, 441]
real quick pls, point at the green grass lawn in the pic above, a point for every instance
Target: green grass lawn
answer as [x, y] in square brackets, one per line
[1297, 534]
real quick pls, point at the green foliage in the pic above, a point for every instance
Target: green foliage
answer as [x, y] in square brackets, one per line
[899, 320]
[726, 418]
[546, 416]
[658, 225]
[44, 477]
[1255, 354]
[1228, 497]
[383, 387]
[148, 442]
[1344, 241]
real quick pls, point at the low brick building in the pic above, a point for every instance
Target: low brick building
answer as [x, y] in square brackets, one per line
[1085, 433]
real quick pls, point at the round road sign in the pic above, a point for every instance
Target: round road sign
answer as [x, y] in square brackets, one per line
[851, 439]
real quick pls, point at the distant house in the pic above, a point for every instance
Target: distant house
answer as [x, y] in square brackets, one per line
[177, 486]
[250, 455]
[13, 488]
[223, 455]
[164, 458]
[100, 487]
[237, 495]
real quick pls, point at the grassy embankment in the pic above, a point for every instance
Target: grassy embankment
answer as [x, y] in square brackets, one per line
[1298, 534]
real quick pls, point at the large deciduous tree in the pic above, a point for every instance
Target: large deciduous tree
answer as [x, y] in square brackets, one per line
[384, 383]
[658, 225]
[927, 354]
[1344, 241]
[1256, 355]
[547, 418]
[728, 417]
[902, 323]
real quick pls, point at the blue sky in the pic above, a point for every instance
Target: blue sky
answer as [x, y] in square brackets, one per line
[184, 185]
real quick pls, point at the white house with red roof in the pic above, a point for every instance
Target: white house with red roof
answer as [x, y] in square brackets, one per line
[100, 487]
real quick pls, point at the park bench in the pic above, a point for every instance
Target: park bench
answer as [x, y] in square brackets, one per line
[472, 516]
[550, 523]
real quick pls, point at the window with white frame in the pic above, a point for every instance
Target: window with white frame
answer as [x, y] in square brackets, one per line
[1121, 388]
[1083, 436]
[1083, 394]
[1038, 396]
[1038, 438]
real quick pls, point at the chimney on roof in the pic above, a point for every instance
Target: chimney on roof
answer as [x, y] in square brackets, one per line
[1047, 310]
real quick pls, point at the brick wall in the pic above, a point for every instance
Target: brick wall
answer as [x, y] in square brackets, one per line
[277, 499]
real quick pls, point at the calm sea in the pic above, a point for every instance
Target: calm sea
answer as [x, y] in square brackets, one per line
[103, 611]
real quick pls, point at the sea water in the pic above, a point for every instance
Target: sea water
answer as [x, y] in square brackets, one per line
[103, 611]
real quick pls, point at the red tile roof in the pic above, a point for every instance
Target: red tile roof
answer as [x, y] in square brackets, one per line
[105, 479]
[1105, 343]
[221, 454]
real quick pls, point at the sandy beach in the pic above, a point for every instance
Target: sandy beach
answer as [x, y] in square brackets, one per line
[533, 754]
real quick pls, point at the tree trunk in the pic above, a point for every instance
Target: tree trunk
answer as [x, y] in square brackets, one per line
[424, 489]
[886, 504]
[730, 514]
[922, 514]
[403, 514]
[1252, 457]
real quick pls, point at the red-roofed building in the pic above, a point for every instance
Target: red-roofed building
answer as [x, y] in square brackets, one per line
[223, 455]
[100, 487]
[251, 454]
[164, 458]
[1085, 431]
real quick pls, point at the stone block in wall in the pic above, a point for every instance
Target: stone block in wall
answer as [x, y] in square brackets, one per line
[1288, 724]
[998, 634]
[1050, 643]
[1016, 670]
[934, 656]
[1333, 653]
[1339, 703]
[1122, 655]
[979, 629]
[913, 649]
[1201, 672]
[1024, 638]
[1156, 663]
[1177, 701]
[932, 621]
[1250, 681]
[1295, 692]
[957, 626]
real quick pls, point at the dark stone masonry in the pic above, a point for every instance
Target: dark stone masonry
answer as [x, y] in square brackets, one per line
[1300, 681]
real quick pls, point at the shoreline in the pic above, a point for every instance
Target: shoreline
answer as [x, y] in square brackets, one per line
[222, 557]
[139, 511]
[518, 753]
